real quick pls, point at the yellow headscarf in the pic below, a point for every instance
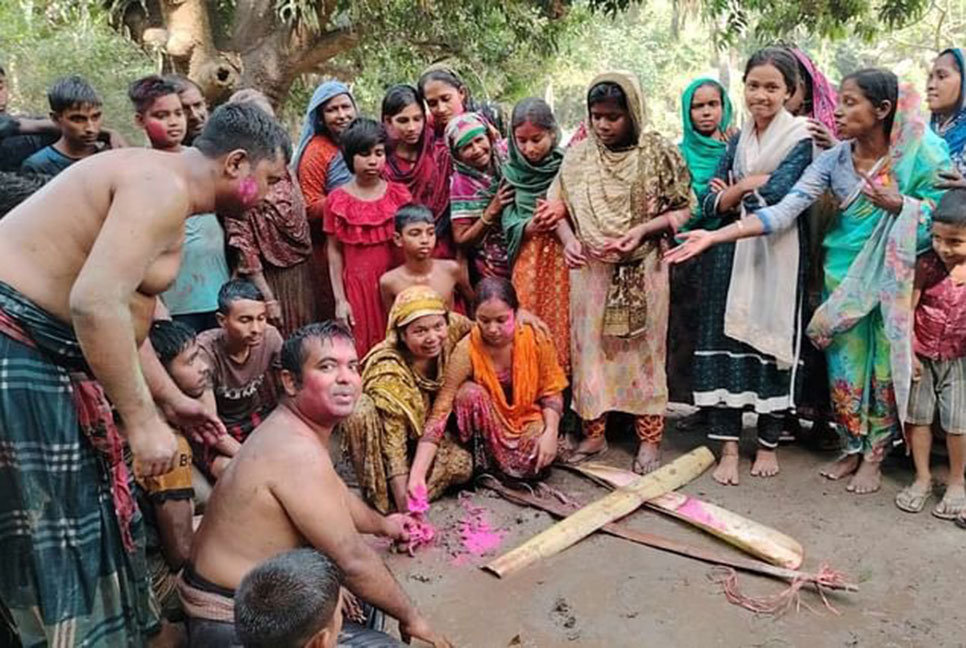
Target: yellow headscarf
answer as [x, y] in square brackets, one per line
[387, 376]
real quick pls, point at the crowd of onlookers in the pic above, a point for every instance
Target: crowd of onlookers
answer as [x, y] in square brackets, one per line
[510, 300]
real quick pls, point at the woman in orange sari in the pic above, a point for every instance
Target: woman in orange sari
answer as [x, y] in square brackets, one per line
[505, 385]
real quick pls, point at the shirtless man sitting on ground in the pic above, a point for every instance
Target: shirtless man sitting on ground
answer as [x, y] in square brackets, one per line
[281, 492]
[81, 264]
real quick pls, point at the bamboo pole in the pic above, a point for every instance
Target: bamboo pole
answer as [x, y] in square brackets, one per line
[611, 507]
[750, 536]
[673, 546]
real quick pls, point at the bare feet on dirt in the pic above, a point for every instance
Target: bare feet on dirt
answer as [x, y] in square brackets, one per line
[648, 458]
[840, 468]
[587, 448]
[866, 479]
[766, 463]
[727, 471]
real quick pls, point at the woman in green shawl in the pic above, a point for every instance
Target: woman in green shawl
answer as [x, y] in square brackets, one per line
[535, 159]
[883, 175]
[706, 114]
[539, 273]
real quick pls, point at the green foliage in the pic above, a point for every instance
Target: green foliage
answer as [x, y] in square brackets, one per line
[766, 20]
[43, 41]
[498, 48]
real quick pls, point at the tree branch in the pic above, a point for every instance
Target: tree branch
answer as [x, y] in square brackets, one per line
[323, 47]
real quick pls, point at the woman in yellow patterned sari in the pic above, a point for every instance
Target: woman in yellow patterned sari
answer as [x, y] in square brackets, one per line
[400, 379]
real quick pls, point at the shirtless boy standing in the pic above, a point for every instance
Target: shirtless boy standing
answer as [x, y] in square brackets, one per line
[416, 235]
[81, 264]
[281, 492]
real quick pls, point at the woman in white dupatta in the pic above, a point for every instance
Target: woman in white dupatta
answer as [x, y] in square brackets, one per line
[749, 328]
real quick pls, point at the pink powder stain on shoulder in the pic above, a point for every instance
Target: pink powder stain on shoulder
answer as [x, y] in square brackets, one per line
[695, 510]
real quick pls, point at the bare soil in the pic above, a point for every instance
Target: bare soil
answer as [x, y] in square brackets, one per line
[609, 592]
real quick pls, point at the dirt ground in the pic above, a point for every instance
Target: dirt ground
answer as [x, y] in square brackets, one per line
[609, 592]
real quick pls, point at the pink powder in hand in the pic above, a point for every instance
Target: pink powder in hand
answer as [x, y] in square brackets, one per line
[421, 532]
[418, 500]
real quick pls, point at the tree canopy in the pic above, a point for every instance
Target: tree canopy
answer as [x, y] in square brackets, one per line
[504, 50]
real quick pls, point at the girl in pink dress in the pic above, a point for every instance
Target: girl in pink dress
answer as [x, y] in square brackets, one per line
[358, 223]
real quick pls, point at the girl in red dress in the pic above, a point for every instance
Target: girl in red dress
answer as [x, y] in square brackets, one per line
[358, 223]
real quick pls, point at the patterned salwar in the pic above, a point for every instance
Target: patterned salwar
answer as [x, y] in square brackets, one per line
[619, 307]
[500, 414]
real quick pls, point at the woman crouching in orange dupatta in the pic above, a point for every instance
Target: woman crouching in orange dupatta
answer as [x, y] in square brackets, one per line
[505, 385]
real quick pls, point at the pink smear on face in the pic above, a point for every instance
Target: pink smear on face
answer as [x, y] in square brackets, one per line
[248, 191]
[476, 534]
[157, 133]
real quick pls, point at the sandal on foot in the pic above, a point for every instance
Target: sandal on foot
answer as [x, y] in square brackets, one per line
[961, 521]
[950, 508]
[581, 456]
[912, 500]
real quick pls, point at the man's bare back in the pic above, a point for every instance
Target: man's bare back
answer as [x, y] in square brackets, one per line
[46, 241]
[443, 277]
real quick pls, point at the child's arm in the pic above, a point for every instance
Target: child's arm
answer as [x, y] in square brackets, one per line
[226, 444]
[386, 290]
[461, 279]
[917, 287]
[343, 310]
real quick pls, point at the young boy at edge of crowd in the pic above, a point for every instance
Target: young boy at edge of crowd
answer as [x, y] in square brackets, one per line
[176, 345]
[76, 110]
[939, 361]
[416, 236]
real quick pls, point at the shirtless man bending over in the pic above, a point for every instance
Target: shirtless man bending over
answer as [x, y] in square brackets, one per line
[281, 492]
[81, 262]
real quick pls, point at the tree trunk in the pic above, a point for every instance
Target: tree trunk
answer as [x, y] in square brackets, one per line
[262, 52]
[191, 49]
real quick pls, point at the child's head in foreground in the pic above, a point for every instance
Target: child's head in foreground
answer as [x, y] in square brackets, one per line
[292, 600]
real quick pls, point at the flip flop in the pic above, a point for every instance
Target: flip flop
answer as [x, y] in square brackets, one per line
[581, 456]
[961, 521]
[950, 508]
[912, 500]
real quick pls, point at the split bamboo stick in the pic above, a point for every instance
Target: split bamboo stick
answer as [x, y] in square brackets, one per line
[611, 507]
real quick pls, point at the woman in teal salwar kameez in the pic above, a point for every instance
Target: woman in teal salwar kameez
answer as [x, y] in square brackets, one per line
[883, 176]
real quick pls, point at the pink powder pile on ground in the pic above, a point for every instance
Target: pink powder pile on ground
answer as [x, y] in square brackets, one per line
[477, 535]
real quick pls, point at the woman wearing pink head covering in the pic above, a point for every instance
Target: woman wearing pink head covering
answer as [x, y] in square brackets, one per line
[814, 98]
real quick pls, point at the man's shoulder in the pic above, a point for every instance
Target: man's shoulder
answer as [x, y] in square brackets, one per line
[273, 339]
[47, 160]
[211, 341]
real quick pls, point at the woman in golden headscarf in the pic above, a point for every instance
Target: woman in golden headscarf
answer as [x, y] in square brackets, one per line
[505, 385]
[400, 379]
[623, 188]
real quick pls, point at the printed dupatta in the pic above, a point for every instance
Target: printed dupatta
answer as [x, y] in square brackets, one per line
[882, 274]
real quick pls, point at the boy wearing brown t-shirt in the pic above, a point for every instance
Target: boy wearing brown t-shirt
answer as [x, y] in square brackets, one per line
[242, 356]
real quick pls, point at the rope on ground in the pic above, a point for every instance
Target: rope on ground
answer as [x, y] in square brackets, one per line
[777, 604]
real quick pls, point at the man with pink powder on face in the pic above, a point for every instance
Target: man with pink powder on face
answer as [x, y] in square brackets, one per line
[281, 492]
[81, 264]
[193, 298]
